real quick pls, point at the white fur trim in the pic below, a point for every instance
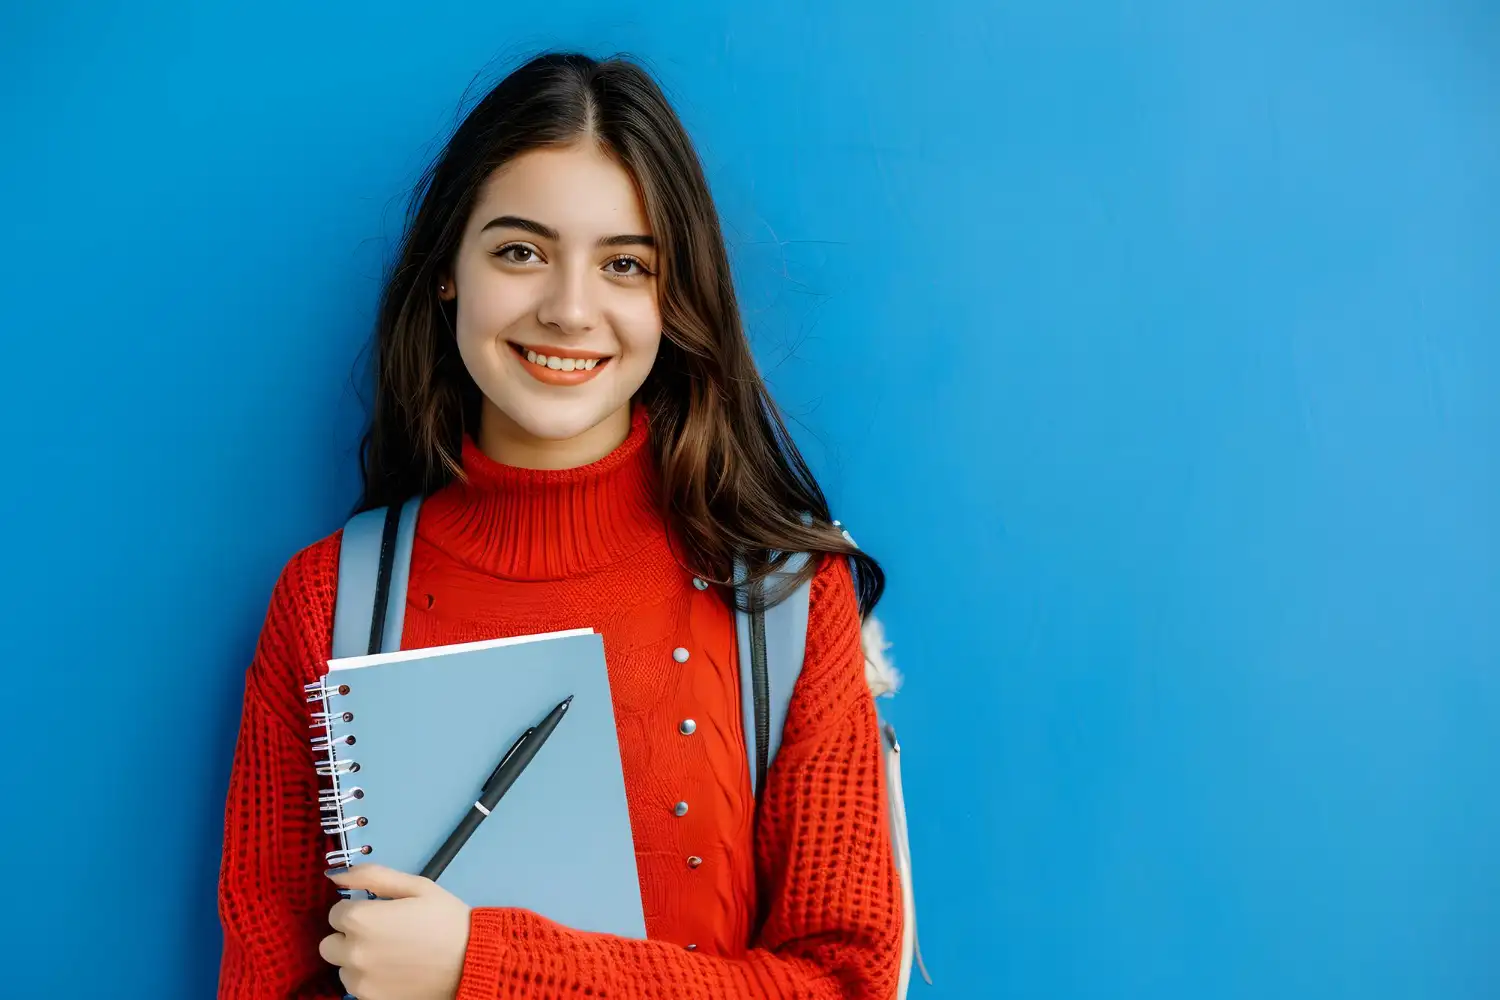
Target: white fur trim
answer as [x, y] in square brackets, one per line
[880, 672]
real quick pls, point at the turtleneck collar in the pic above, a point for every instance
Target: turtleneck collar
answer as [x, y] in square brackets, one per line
[531, 524]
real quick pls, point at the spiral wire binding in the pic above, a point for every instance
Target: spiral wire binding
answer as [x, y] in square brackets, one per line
[336, 802]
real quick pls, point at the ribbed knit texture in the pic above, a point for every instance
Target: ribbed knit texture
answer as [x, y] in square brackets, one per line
[805, 906]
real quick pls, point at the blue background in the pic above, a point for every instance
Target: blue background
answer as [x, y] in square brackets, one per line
[1152, 346]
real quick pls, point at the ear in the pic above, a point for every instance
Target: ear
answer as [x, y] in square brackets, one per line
[447, 291]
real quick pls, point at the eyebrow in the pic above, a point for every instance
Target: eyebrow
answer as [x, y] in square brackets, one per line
[548, 233]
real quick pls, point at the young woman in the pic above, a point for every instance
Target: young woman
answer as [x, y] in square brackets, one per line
[562, 373]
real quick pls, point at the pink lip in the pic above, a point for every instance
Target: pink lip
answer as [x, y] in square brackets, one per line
[554, 376]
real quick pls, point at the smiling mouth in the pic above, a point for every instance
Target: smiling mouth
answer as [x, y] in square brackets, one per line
[554, 360]
[552, 366]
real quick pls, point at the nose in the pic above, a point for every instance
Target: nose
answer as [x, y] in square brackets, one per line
[568, 304]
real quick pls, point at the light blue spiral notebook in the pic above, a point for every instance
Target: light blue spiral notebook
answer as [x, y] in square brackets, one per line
[411, 737]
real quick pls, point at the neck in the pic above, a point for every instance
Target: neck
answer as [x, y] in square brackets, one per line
[506, 442]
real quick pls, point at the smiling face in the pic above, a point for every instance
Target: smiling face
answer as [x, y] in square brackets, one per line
[558, 321]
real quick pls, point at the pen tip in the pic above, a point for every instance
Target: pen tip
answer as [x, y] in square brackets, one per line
[567, 701]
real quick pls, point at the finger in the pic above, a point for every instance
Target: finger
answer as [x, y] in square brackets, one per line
[354, 984]
[338, 915]
[334, 949]
[382, 881]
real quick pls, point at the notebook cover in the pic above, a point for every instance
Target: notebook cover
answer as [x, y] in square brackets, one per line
[430, 726]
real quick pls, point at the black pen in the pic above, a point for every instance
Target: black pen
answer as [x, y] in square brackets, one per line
[498, 783]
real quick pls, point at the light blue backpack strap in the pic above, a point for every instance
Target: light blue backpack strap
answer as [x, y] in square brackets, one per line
[786, 646]
[785, 627]
[359, 571]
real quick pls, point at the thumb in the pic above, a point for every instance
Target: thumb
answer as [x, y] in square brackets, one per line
[387, 883]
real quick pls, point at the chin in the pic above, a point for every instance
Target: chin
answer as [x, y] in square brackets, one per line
[558, 420]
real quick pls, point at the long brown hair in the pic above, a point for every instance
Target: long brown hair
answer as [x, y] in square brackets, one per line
[733, 481]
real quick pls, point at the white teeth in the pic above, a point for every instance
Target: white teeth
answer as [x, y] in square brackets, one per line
[562, 364]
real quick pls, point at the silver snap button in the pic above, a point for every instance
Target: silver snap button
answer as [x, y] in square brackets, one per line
[700, 584]
[694, 861]
[680, 809]
[680, 655]
[692, 947]
[687, 727]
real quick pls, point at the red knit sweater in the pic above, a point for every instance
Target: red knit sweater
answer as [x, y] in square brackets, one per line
[800, 902]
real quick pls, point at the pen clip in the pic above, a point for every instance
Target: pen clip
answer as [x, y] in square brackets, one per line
[530, 730]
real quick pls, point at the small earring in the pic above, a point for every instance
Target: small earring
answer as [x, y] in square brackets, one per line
[443, 288]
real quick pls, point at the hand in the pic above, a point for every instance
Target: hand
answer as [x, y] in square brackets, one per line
[407, 945]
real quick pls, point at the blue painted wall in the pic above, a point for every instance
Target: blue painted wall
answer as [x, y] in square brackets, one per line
[1155, 347]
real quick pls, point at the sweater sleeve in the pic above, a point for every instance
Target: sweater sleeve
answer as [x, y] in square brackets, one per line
[273, 897]
[831, 927]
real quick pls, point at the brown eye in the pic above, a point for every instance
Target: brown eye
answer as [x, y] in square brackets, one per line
[626, 267]
[516, 253]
